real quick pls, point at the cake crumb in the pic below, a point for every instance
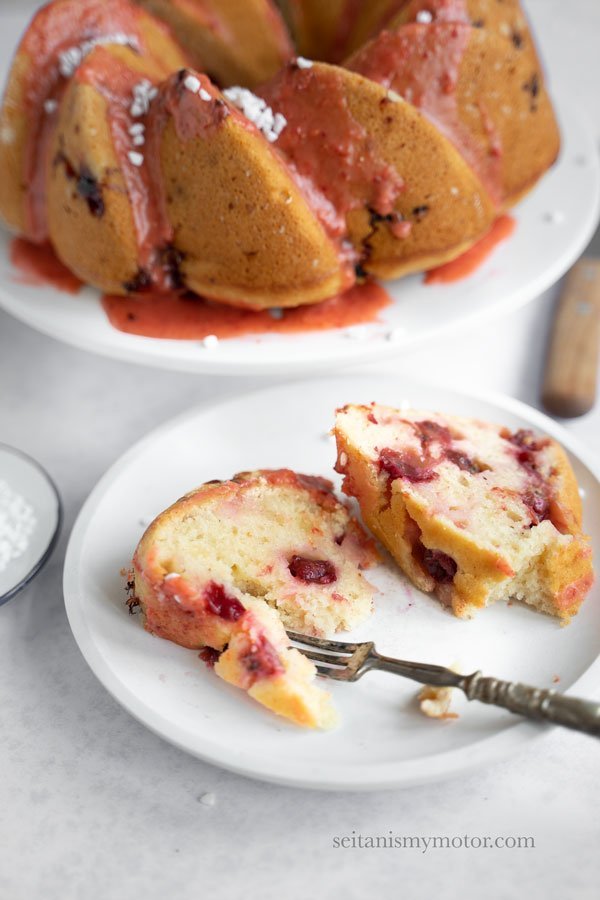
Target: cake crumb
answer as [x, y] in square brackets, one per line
[435, 700]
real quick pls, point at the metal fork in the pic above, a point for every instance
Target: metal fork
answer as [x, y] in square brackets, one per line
[349, 662]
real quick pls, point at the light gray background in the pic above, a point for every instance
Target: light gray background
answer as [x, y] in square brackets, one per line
[94, 806]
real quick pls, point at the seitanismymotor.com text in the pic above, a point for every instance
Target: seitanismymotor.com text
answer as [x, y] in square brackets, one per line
[423, 843]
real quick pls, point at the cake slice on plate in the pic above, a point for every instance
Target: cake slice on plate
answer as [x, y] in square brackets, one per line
[229, 565]
[472, 512]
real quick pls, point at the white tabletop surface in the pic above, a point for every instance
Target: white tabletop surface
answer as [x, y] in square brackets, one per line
[94, 806]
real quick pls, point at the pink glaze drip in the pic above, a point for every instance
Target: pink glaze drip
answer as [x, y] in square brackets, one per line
[329, 148]
[38, 265]
[57, 28]
[116, 81]
[422, 63]
[468, 263]
[188, 317]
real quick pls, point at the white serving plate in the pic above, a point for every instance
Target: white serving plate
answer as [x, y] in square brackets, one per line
[384, 741]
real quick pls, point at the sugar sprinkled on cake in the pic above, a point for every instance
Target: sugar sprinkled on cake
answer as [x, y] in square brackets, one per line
[257, 111]
[70, 60]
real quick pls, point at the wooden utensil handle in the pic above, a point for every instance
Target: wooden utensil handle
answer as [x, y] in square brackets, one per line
[572, 364]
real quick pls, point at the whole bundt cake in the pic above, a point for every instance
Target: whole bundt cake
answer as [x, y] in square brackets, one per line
[131, 141]
[227, 566]
[472, 512]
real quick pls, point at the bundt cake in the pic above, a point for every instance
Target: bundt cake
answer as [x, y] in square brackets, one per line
[470, 511]
[232, 563]
[143, 174]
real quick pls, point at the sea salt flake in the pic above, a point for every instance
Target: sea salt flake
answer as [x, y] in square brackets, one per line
[135, 158]
[424, 17]
[304, 63]
[204, 95]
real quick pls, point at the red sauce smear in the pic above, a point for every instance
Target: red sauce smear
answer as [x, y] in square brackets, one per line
[188, 317]
[38, 264]
[469, 262]
[192, 318]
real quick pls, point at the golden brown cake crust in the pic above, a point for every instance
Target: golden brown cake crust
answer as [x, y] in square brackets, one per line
[405, 521]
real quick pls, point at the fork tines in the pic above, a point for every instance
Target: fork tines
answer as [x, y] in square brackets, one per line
[346, 667]
[321, 643]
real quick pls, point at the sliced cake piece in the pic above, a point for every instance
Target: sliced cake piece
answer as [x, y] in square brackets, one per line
[379, 174]
[59, 37]
[233, 41]
[503, 17]
[506, 19]
[102, 213]
[229, 563]
[480, 90]
[243, 228]
[472, 512]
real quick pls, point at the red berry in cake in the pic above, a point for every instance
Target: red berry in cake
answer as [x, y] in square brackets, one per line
[470, 511]
[313, 571]
[230, 564]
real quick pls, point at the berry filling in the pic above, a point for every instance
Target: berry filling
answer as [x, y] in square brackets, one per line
[312, 571]
[260, 660]
[538, 504]
[440, 566]
[223, 604]
[429, 431]
[209, 656]
[464, 462]
[405, 464]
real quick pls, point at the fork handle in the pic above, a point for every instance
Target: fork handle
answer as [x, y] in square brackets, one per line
[535, 703]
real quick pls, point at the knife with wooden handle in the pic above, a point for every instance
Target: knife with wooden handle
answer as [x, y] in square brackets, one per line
[569, 388]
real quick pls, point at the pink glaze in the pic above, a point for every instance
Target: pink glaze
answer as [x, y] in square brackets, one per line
[38, 264]
[328, 147]
[422, 63]
[469, 262]
[116, 81]
[188, 317]
[56, 28]
[575, 592]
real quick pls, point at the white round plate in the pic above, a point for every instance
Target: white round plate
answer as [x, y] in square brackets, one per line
[554, 224]
[26, 479]
[384, 741]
